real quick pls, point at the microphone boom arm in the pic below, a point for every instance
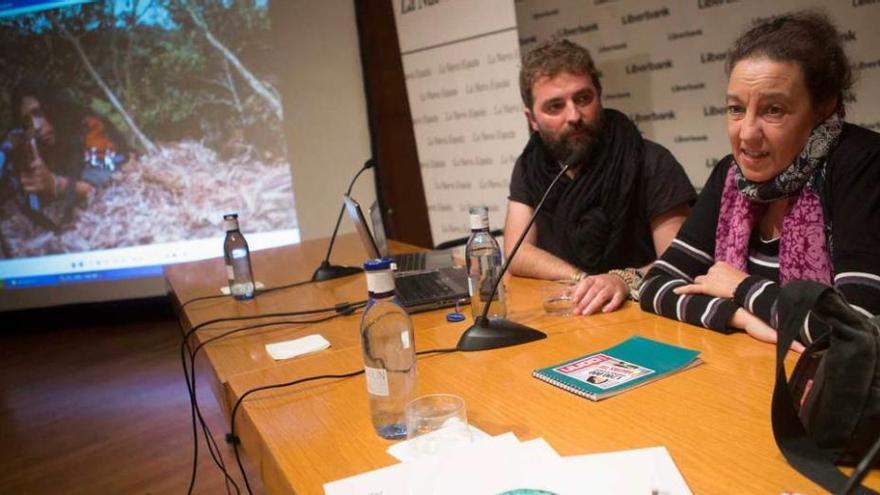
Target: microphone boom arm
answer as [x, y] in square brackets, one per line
[488, 333]
[342, 210]
[325, 270]
[519, 241]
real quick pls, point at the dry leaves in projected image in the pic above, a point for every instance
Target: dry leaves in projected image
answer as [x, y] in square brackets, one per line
[180, 193]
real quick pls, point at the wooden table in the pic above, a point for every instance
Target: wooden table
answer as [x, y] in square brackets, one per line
[713, 419]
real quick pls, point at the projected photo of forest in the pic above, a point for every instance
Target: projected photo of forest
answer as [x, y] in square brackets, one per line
[135, 122]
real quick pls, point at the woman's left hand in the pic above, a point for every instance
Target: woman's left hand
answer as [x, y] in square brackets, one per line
[720, 281]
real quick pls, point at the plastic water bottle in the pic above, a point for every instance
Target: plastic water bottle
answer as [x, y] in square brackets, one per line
[238, 259]
[484, 262]
[388, 345]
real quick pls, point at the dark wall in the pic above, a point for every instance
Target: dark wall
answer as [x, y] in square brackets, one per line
[398, 175]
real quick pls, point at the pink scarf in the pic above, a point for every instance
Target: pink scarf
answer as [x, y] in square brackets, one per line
[803, 249]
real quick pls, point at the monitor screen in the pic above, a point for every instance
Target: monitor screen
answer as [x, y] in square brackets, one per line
[128, 129]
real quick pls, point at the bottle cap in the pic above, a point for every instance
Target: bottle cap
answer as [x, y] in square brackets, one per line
[377, 264]
[230, 221]
[479, 217]
[379, 277]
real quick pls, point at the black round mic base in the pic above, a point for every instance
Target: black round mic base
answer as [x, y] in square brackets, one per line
[488, 333]
[328, 272]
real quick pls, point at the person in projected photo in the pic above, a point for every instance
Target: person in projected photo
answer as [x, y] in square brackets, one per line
[58, 150]
[798, 198]
[611, 216]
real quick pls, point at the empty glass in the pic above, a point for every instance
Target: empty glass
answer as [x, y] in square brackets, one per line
[436, 423]
[557, 297]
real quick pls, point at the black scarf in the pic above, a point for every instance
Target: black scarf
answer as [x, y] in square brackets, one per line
[596, 213]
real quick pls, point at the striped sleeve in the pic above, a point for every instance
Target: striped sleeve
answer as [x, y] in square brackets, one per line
[759, 296]
[688, 256]
[678, 266]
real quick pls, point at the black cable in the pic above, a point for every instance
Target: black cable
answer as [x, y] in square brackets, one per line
[234, 440]
[339, 308]
[253, 327]
[202, 298]
[257, 292]
[197, 415]
[261, 325]
[190, 378]
[437, 351]
[286, 286]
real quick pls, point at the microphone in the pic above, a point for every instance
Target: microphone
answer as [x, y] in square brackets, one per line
[326, 271]
[488, 333]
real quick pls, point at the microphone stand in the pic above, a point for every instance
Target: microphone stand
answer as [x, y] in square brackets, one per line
[325, 270]
[487, 333]
[855, 481]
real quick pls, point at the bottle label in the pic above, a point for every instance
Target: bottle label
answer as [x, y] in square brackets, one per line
[230, 224]
[229, 273]
[479, 221]
[377, 381]
[380, 282]
[238, 253]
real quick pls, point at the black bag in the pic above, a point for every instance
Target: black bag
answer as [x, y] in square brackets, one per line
[829, 411]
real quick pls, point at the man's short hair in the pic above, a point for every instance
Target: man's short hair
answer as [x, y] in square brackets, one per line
[551, 58]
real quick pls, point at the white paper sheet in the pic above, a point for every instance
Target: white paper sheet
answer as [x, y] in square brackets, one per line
[297, 347]
[402, 452]
[497, 465]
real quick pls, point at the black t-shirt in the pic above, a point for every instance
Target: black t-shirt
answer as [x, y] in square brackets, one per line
[664, 185]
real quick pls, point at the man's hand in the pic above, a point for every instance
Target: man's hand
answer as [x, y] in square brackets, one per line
[599, 291]
[38, 179]
[720, 281]
[755, 327]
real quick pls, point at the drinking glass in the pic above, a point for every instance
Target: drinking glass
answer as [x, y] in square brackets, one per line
[557, 297]
[436, 424]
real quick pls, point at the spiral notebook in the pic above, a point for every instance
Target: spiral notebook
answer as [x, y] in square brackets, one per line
[627, 365]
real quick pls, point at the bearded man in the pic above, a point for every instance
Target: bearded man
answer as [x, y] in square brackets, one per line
[611, 215]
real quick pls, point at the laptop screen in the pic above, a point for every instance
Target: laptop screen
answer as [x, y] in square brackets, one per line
[360, 224]
[378, 228]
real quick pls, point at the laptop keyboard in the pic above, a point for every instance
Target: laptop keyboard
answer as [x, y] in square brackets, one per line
[411, 262]
[422, 287]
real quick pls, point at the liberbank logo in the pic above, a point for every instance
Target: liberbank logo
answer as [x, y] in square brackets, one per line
[581, 29]
[691, 138]
[611, 48]
[638, 118]
[545, 13]
[684, 34]
[713, 111]
[710, 57]
[649, 66]
[647, 15]
[705, 4]
[678, 88]
[617, 96]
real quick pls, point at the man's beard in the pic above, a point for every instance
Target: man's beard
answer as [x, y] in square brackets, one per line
[583, 136]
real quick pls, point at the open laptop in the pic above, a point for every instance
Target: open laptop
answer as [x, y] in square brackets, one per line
[406, 262]
[433, 283]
